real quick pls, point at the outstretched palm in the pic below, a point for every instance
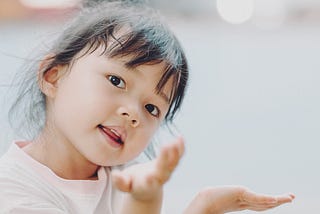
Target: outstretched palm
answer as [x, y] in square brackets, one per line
[223, 199]
[145, 181]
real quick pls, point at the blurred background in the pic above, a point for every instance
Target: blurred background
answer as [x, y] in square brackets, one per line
[252, 112]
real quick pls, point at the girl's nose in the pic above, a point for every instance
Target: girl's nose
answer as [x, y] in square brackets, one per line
[130, 115]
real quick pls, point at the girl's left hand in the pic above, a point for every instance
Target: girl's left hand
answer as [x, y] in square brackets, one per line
[144, 181]
[223, 199]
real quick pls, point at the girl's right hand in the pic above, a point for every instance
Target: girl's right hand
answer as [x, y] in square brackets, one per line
[144, 181]
[223, 199]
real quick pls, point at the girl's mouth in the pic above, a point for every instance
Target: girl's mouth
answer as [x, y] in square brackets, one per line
[113, 134]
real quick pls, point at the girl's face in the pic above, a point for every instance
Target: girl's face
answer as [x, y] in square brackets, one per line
[106, 111]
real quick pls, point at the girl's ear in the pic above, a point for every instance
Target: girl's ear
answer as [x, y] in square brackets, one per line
[48, 79]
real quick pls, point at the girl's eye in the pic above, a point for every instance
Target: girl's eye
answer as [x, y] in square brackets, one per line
[152, 110]
[116, 81]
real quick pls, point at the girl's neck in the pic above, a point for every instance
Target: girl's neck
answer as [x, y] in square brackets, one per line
[63, 159]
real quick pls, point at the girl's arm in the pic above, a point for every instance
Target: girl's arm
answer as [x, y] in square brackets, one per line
[144, 182]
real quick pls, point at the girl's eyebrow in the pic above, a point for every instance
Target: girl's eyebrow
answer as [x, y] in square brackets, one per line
[160, 94]
[164, 97]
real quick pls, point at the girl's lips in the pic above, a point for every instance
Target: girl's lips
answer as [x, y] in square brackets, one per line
[115, 135]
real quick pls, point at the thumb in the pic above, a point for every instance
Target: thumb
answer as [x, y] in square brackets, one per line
[121, 181]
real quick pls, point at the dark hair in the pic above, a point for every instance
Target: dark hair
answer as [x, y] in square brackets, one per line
[135, 30]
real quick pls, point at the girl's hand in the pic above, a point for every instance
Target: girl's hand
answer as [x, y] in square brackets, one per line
[217, 200]
[144, 181]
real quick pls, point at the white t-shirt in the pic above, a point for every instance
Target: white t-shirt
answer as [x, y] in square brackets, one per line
[27, 186]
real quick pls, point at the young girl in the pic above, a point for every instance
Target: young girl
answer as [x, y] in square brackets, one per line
[114, 76]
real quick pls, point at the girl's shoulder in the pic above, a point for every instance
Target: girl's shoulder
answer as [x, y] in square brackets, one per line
[23, 190]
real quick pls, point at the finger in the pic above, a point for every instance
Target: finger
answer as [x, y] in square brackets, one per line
[168, 159]
[263, 202]
[287, 198]
[261, 207]
[170, 155]
[180, 144]
[121, 181]
[277, 200]
[254, 198]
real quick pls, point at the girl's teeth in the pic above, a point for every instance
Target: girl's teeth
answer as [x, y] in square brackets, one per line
[114, 132]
